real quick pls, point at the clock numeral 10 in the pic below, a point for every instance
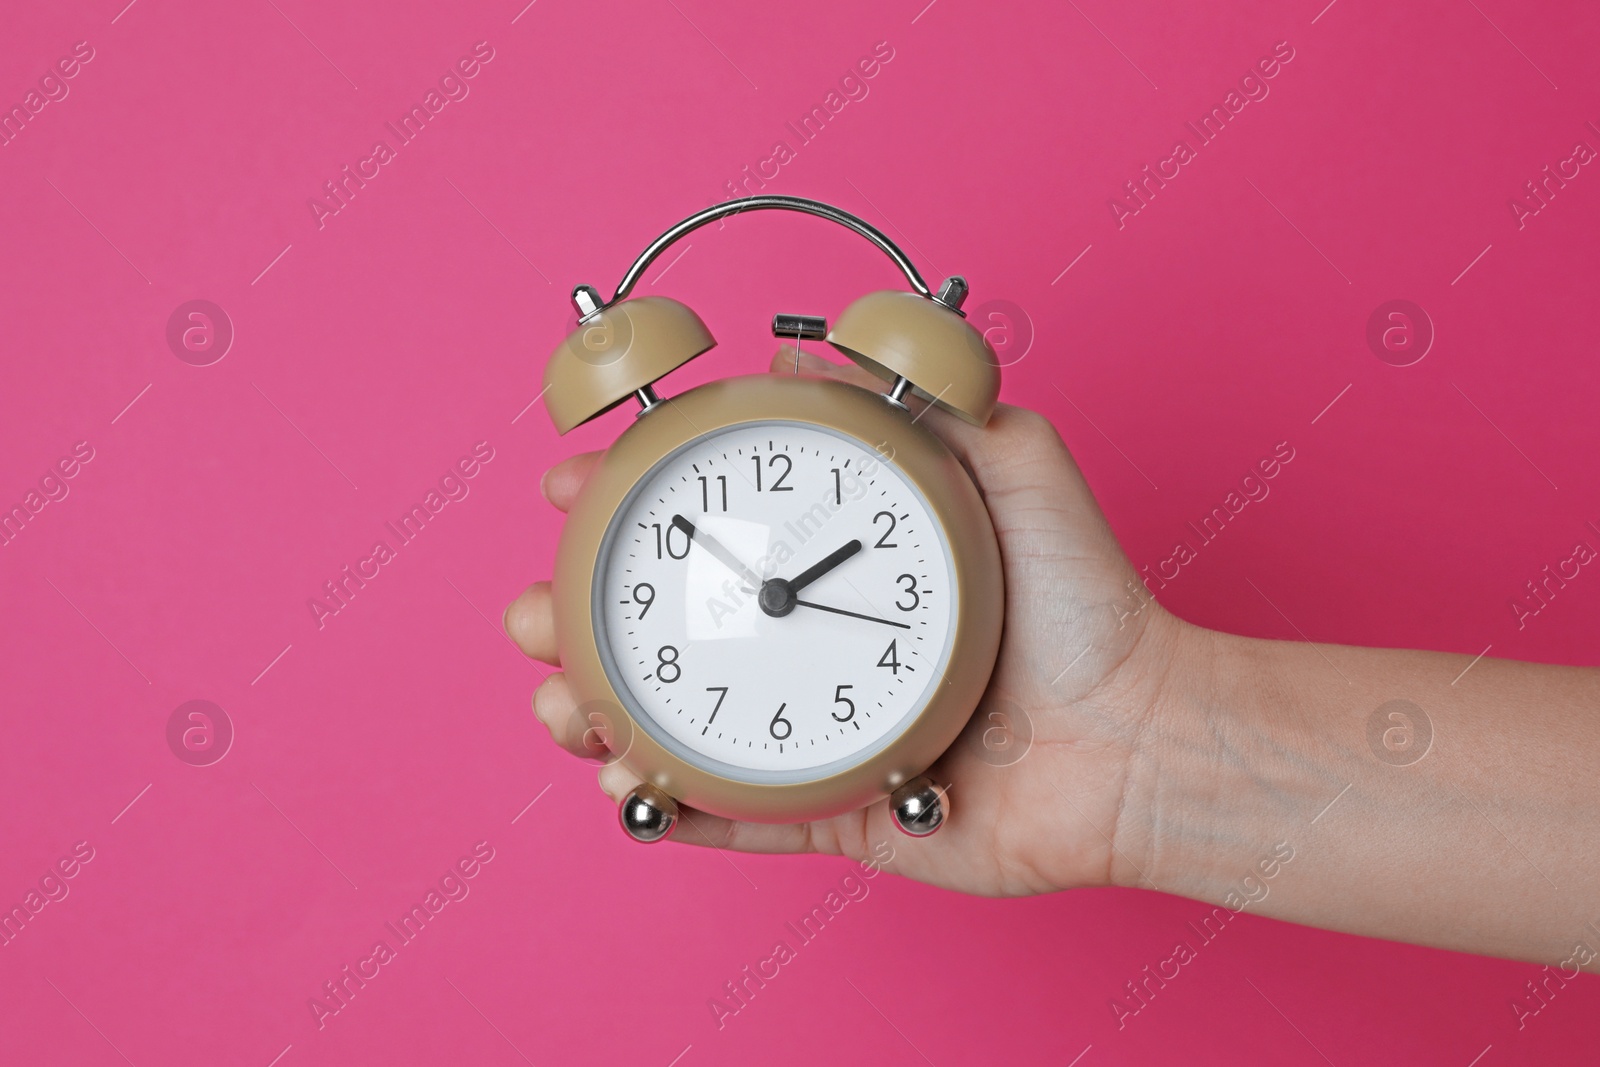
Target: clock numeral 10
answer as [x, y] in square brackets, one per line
[705, 492]
[666, 540]
[773, 460]
[779, 720]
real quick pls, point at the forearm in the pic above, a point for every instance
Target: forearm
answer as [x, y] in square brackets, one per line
[1484, 838]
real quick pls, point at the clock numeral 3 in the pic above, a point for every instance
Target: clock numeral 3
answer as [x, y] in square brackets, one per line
[667, 659]
[840, 698]
[777, 485]
[779, 720]
[910, 583]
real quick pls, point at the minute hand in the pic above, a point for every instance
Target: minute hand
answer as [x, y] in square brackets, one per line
[823, 566]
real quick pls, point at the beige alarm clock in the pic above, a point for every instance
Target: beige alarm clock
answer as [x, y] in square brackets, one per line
[778, 598]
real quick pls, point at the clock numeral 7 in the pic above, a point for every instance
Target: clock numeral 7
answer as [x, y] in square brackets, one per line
[705, 492]
[840, 698]
[722, 694]
[779, 720]
[773, 460]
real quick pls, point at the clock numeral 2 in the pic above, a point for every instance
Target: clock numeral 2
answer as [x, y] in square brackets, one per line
[884, 542]
[777, 720]
[840, 698]
[705, 492]
[777, 485]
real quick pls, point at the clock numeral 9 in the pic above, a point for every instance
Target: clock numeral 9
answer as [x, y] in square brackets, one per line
[840, 698]
[705, 492]
[773, 460]
[884, 542]
[666, 541]
[910, 583]
[667, 659]
[644, 594]
[779, 720]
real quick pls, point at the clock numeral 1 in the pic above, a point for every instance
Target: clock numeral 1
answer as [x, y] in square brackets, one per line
[705, 492]
[722, 694]
[890, 659]
[779, 720]
[840, 698]
[777, 485]
[838, 488]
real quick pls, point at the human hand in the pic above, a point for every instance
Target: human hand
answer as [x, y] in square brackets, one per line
[1084, 658]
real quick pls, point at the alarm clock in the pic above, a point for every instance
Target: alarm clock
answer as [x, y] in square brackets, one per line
[777, 598]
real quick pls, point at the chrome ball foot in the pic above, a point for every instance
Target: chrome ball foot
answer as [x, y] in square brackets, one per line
[919, 807]
[648, 814]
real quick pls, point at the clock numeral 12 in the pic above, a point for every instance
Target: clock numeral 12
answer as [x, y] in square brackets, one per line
[777, 485]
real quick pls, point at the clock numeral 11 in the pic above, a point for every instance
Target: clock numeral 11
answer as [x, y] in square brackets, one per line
[705, 492]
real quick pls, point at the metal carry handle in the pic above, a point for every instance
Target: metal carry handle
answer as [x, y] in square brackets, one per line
[765, 203]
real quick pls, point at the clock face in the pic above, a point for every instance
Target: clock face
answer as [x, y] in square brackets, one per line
[774, 602]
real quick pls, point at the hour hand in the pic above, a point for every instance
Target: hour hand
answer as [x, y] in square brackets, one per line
[718, 551]
[823, 566]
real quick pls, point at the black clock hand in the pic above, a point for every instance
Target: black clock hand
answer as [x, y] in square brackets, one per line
[852, 614]
[823, 566]
[721, 554]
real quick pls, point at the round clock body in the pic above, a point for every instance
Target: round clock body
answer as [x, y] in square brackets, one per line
[778, 598]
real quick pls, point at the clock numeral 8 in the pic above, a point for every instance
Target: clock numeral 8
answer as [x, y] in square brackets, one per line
[779, 720]
[667, 658]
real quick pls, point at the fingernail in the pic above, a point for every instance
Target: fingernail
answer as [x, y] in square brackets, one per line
[543, 479]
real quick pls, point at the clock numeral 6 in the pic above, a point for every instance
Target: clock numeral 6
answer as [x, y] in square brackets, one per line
[779, 720]
[910, 583]
[667, 659]
[840, 698]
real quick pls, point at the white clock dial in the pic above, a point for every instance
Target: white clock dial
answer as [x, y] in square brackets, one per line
[775, 601]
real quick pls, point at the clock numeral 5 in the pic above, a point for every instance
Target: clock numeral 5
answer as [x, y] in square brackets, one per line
[840, 698]
[773, 460]
[779, 720]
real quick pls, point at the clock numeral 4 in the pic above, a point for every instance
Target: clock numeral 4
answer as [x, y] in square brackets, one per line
[890, 659]
[777, 721]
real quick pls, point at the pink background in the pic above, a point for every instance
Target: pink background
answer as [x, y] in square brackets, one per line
[373, 352]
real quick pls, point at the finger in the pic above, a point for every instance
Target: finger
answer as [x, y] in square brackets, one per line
[530, 621]
[561, 483]
[556, 707]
